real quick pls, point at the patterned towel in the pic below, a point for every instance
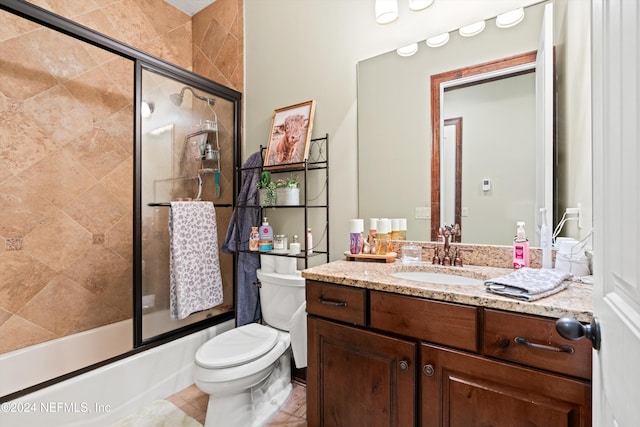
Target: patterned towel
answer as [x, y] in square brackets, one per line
[529, 284]
[195, 279]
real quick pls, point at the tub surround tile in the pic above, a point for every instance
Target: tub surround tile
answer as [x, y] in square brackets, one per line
[98, 152]
[98, 94]
[132, 26]
[32, 275]
[18, 332]
[58, 306]
[97, 268]
[171, 46]
[19, 82]
[118, 125]
[118, 294]
[4, 316]
[17, 127]
[575, 301]
[118, 183]
[21, 210]
[163, 16]
[119, 237]
[62, 117]
[71, 9]
[58, 242]
[100, 314]
[63, 56]
[97, 210]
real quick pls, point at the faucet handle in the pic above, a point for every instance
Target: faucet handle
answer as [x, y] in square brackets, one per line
[458, 257]
[436, 257]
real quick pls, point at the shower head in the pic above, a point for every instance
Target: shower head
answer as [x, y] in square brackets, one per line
[177, 98]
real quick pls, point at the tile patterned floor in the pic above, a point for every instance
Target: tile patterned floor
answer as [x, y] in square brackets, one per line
[293, 414]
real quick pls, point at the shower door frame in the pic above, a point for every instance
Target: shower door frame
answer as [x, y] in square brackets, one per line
[140, 60]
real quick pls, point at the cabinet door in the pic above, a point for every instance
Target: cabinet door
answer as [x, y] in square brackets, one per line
[462, 390]
[359, 378]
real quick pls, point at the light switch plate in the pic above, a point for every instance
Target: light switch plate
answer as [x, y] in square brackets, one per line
[423, 212]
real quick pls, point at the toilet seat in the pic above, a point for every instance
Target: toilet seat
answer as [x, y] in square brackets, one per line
[237, 346]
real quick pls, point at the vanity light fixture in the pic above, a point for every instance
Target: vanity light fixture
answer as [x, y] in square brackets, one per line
[408, 50]
[472, 29]
[146, 109]
[510, 19]
[417, 5]
[437, 41]
[386, 11]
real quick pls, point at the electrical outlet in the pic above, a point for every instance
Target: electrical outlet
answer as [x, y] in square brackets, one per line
[423, 212]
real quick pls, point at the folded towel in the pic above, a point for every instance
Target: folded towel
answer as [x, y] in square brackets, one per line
[529, 284]
[195, 282]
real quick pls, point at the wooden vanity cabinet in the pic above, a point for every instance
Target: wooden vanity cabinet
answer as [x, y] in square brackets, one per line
[462, 389]
[384, 359]
[359, 378]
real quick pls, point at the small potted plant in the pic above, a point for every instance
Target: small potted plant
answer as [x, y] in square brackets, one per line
[266, 190]
[288, 191]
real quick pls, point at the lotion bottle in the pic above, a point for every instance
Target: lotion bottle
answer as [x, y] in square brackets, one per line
[545, 240]
[520, 247]
[266, 236]
[309, 242]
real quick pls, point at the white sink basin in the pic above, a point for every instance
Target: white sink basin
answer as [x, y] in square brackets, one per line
[440, 278]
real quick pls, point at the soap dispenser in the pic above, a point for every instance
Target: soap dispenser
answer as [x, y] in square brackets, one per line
[520, 247]
[266, 236]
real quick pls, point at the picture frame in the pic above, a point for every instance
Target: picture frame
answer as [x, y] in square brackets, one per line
[290, 136]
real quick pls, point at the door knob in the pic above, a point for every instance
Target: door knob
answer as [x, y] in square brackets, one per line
[571, 329]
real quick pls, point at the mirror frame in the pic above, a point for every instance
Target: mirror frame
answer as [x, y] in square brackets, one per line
[437, 81]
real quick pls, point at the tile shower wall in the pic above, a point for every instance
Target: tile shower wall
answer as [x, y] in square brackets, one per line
[66, 156]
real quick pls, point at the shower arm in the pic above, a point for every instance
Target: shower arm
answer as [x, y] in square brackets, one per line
[209, 101]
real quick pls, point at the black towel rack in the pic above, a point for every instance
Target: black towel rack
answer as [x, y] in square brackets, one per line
[168, 204]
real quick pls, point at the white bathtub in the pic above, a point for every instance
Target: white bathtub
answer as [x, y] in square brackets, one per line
[104, 395]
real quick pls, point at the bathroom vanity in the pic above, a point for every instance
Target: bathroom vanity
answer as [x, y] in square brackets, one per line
[387, 351]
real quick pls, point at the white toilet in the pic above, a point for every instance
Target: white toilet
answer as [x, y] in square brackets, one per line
[247, 371]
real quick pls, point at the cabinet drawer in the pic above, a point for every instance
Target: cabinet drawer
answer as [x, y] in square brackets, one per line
[506, 336]
[433, 321]
[336, 302]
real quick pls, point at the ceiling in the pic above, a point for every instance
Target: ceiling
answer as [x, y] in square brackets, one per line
[190, 7]
[374, 39]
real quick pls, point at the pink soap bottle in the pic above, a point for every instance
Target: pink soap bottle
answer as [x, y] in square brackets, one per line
[520, 247]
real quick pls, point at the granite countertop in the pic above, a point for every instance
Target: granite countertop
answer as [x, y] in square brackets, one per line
[575, 301]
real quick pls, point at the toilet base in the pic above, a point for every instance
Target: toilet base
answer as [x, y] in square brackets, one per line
[254, 406]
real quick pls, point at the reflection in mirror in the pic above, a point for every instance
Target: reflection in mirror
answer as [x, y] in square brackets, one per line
[187, 153]
[394, 131]
[495, 104]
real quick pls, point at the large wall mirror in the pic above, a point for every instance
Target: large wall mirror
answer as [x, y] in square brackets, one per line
[395, 135]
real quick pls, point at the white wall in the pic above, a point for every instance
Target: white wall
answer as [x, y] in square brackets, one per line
[296, 50]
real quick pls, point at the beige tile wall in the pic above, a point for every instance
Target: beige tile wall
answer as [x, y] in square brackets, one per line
[66, 149]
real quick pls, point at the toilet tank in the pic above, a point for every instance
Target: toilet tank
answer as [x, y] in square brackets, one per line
[280, 296]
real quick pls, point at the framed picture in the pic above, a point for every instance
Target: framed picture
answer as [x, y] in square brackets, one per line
[290, 135]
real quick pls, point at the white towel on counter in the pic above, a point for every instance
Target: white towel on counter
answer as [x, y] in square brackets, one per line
[195, 282]
[298, 332]
[529, 284]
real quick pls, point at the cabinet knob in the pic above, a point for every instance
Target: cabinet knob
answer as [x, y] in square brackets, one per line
[404, 365]
[428, 370]
[571, 329]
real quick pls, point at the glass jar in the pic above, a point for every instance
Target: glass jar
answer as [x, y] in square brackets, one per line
[280, 242]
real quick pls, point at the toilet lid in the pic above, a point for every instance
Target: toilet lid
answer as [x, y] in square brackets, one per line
[237, 346]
